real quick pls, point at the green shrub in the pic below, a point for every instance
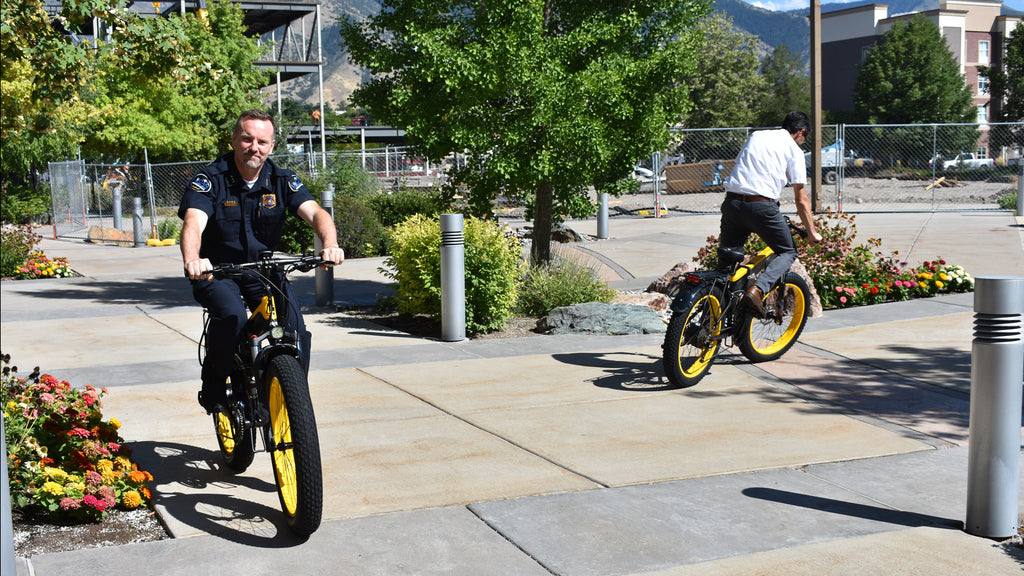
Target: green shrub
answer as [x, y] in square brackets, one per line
[350, 178]
[493, 265]
[1008, 201]
[561, 283]
[360, 233]
[16, 243]
[22, 204]
[297, 235]
[169, 228]
[397, 207]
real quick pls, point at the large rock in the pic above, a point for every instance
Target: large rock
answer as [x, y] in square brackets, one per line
[653, 300]
[600, 318]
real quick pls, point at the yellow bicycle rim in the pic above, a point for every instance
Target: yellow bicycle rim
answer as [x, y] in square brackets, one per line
[707, 353]
[790, 331]
[226, 433]
[284, 460]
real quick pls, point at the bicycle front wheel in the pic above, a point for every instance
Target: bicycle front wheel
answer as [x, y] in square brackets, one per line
[296, 451]
[692, 341]
[768, 338]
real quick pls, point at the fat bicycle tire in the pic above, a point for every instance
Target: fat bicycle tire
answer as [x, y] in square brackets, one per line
[296, 454]
[236, 447]
[765, 339]
[692, 341]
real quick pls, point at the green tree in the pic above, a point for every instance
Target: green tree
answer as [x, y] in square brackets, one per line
[545, 96]
[788, 86]
[910, 76]
[727, 88]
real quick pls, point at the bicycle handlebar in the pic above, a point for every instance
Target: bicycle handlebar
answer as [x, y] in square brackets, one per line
[268, 262]
[795, 228]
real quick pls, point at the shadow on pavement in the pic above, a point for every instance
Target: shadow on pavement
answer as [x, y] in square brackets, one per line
[189, 488]
[624, 370]
[852, 509]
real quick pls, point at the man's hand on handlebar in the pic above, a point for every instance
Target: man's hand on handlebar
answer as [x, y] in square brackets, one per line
[334, 255]
[198, 269]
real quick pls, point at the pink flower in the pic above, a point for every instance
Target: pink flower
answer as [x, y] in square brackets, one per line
[90, 500]
[69, 503]
[80, 432]
[93, 478]
[47, 398]
[839, 289]
[842, 299]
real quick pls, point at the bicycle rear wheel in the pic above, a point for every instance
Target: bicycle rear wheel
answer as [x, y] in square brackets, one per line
[296, 454]
[236, 447]
[764, 339]
[691, 341]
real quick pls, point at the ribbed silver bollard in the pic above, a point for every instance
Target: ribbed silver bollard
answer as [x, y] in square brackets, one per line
[137, 231]
[453, 279]
[1020, 186]
[324, 279]
[602, 217]
[997, 371]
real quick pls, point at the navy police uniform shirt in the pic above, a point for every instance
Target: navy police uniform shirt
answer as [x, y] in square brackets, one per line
[242, 222]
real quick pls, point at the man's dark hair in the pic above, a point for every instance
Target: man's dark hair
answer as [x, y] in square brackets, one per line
[796, 121]
[254, 114]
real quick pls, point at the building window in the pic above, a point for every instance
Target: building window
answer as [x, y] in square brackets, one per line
[982, 85]
[983, 113]
[983, 52]
[981, 152]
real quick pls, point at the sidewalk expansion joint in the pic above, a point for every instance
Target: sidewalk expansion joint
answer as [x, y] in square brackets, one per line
[492, 433]
[517, 546]
[165, 325]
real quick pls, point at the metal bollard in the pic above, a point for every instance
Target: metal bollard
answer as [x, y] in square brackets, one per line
[1020, 186]
[137, 230]
[453, 279]
[6, 521]
[324, 279]
[115, 195]
[602, 217]
[997, 371]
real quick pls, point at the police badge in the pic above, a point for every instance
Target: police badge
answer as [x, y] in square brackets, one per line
[294, 183]
[269, 201]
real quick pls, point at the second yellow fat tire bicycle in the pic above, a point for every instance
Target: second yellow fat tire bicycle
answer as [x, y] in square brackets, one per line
[708, 313]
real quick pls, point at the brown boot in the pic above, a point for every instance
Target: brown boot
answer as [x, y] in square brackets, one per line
[754, 299]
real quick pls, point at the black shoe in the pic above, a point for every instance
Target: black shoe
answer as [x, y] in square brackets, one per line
[212, 405]
[754, 299]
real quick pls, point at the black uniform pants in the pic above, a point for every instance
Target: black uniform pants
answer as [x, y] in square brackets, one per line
[740, 219]
[226, 301]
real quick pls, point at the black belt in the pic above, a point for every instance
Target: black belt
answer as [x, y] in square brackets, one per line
[748, 197]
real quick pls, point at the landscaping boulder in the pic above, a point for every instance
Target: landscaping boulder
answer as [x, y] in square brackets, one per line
[601, 318]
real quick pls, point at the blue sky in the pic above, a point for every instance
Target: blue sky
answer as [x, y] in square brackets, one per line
[794, 4]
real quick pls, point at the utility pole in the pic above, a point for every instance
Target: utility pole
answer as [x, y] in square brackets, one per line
[816, 115]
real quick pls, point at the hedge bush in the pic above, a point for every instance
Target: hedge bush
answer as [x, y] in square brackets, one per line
[562, 282]
[493, 265]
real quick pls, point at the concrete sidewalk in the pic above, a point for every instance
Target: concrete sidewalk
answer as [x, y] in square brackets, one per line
[551, 454]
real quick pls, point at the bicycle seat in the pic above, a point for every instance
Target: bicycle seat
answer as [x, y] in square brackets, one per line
[730, 256]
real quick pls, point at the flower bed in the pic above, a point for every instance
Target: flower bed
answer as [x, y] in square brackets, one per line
[847, 274]
[39, 266]
[65, 463]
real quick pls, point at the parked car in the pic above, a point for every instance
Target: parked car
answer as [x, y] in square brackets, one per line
[830, 160]
[964, 160]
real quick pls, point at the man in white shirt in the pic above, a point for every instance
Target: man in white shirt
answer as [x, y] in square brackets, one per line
[769, 160]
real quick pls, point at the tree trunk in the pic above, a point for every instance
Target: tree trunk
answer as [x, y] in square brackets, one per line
[540, 252]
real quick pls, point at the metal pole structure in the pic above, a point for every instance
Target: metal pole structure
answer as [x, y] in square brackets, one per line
[115, 194]
[816, 114]
[997, 371]
[320, 76]
[656, 185]
[324, 279]
[1020, 186]
[8, 566]
[602, 217]
[137, 230]
[151, 193]
[453, 279]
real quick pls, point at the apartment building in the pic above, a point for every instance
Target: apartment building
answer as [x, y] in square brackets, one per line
[975, 31]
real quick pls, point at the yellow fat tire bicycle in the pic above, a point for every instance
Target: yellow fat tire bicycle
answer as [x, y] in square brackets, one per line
[269, 408]
[708, 314]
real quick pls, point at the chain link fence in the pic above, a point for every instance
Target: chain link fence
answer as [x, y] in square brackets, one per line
[96, 201]
[865, 168]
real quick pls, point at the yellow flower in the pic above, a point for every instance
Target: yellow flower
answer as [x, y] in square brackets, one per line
[104, 466]
[944, 277]
[923, 285]
[938, 284]
[131, 499]
[123, 463]
[109, 477]
[53, 488]
[55, 473]
[115, 422]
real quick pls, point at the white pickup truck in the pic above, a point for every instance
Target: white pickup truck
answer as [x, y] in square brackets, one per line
[967, 160]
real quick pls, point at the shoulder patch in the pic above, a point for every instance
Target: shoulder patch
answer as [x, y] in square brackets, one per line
[294, 183]
[201, 183]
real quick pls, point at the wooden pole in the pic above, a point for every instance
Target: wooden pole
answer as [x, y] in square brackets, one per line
[816, 115]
